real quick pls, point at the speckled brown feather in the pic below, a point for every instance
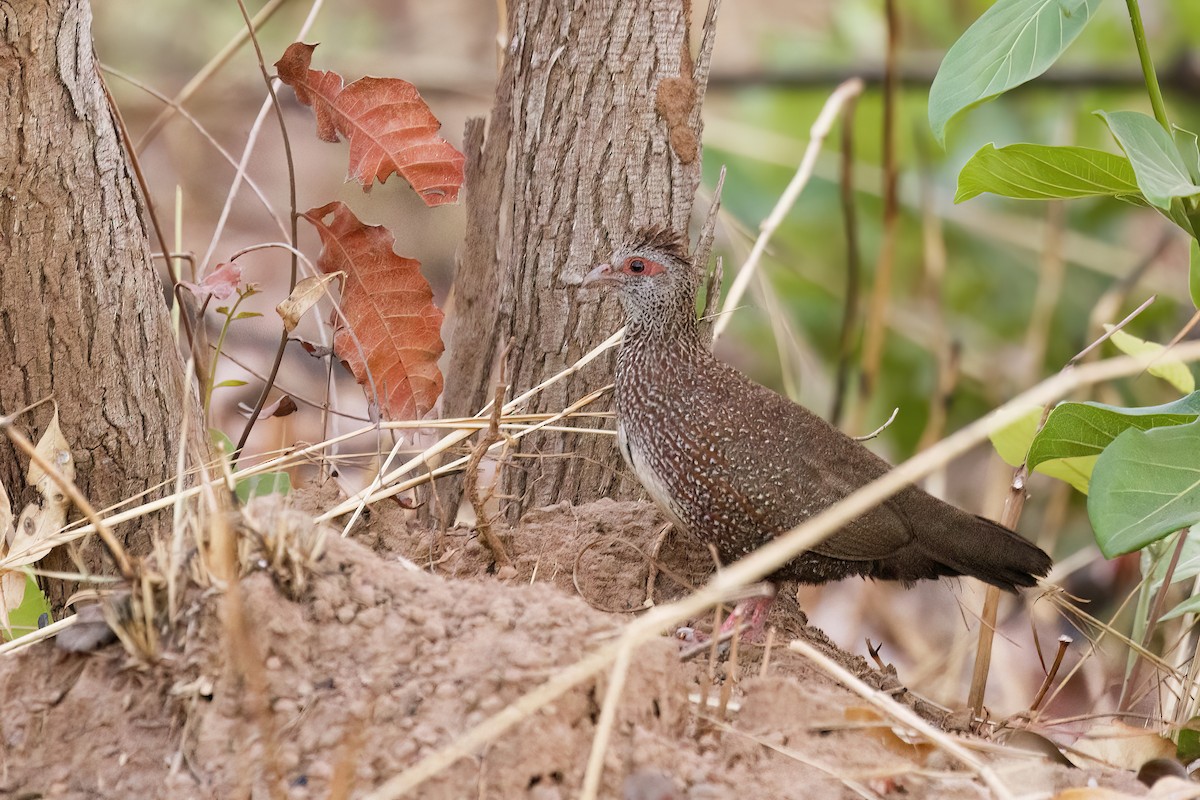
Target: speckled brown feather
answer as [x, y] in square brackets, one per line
[734, 463]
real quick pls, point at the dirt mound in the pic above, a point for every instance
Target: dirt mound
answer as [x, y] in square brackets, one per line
[377, 666]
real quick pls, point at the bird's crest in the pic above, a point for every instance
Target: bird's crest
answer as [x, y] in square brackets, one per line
[662, 238]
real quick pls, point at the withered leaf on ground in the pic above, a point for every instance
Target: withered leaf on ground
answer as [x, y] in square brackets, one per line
[393, 331]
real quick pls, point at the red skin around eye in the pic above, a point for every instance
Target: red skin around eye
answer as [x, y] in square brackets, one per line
[652, 267]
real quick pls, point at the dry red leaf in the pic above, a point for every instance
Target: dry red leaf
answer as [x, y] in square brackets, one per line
[389, 309]
[313, 87]
[389, 127]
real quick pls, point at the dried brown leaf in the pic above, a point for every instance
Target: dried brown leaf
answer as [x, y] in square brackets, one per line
[392, 131]
[303, 297]
[389, 309]
[388, 125]
[313, 87]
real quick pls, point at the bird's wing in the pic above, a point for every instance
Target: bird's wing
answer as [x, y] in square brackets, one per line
[813, 465]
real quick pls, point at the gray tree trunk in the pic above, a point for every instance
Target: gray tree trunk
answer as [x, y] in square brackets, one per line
[595, 133]
[82, 313]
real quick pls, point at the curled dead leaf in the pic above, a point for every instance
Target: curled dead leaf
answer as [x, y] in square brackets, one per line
[303, 297]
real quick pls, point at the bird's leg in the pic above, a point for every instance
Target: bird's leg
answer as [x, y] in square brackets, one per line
[750, 614]
[753, 612]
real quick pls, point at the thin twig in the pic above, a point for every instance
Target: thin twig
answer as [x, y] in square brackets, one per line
[877, 317]
[846, 341]
[820, 129]
[295, 233]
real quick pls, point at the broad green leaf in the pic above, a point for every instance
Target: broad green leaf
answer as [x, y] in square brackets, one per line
[1012, 443]
[1085, 429]
[1038, 172]
[1187, 747]
[262, 485]
[1161, 172]
[1194, 273]
[1146, 485]
[1188, 145]
[1171, 370]
[1013, 42]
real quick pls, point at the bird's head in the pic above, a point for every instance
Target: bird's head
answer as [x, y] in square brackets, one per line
[652, 273]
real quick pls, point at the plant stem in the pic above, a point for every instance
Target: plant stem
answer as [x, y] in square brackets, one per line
[212, 372]
[1152, 87]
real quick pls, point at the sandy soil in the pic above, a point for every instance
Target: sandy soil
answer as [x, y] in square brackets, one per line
[373, 666]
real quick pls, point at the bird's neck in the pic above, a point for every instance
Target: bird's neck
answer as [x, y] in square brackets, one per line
[662, 338]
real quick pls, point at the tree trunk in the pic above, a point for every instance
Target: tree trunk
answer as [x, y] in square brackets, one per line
[595, 133]
[82, 315]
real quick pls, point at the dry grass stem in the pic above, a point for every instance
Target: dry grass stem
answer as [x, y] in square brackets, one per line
[820, 129]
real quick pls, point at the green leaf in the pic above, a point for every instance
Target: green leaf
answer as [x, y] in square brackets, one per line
[230, 382]
[247, 314]
[1085, 429]
[1156, 558]
[1038, 172]
[220, 442]
[1146, 485]
[1187, 749]
[1013, 42]
[1013, 442]
[24, 618]
[1194, 273]
[262, 485]
[1171, 370]
[1161, 172]
[1188, 145]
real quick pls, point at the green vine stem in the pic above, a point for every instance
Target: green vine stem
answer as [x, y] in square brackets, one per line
[1152, 87]
[230, 315]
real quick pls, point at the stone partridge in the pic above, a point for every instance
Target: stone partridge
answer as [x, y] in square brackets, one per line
[734, 464]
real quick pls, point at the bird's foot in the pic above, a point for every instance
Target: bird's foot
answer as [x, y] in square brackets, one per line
[751, 612]
[748, 620]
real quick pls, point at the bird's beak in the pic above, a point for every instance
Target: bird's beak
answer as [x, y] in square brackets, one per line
[603, 273]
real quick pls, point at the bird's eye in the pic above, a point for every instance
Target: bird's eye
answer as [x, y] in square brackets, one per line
[637, 265]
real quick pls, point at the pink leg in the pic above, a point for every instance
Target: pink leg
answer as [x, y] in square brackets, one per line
[753, 611]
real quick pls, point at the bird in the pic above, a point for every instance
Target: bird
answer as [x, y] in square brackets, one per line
[734, 464]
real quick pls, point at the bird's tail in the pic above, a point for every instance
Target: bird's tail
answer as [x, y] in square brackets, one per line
[992, 553]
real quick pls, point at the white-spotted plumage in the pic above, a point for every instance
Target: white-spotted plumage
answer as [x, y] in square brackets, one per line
[735, 464]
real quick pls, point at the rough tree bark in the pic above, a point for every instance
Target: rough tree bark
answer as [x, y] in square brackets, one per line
[595, 132]
[82, 313]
